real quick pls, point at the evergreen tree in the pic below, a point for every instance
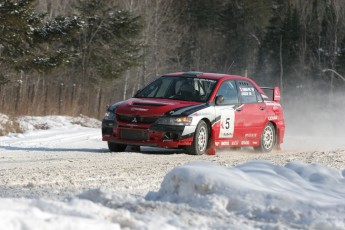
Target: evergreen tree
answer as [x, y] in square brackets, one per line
[26, 40]
[234, 29]
[242, 24]
[312, 31]
[100, 39]
[291, 39]
[268, 68]
[17, 22]
[107, 45]
[328, 37]
[340, 63]
[200, 20]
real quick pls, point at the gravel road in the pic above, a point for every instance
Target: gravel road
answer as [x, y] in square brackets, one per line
[66, 170]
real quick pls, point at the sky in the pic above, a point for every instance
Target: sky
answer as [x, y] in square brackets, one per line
[196, 195]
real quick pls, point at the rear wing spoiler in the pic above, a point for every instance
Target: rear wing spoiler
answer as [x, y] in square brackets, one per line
[273, 93]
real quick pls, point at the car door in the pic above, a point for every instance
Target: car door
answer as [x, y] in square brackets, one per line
[251, 114]
[226, 131]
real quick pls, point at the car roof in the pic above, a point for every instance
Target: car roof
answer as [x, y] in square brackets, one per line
[215, 76]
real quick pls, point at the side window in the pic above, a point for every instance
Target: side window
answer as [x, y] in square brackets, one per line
[229, 91]
[248, 93]
[259, 97]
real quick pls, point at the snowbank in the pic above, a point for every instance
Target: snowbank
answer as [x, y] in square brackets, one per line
[200, 195]
[297, 195]
[29, 123]
[23, 124]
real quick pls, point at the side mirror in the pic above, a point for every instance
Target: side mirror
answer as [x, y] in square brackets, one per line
[276, 94]
[219, 100]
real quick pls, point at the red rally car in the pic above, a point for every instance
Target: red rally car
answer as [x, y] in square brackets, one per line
[198, 112]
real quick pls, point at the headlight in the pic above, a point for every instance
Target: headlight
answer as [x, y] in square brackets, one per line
[175, 121]
[109, 115]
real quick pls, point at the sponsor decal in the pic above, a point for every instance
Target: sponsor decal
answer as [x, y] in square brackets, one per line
[273, 104]
[277, 93]
[272, 118]
[234, 143]
[247, 89]
[227, 134]
[134, 120]
[244, 142]
[250, 135]
[216, 143]
[225, 143]
[246, 93]
[255, 143]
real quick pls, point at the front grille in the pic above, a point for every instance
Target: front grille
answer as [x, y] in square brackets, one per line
[135, 135]
[136, 119]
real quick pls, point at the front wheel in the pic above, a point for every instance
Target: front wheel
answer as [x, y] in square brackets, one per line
[115, 147]
[200, 141]
[268, 139]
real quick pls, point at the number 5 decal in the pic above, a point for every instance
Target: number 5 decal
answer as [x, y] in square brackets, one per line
[227, 122]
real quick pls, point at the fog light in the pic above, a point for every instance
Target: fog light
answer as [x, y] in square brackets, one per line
[170, 136]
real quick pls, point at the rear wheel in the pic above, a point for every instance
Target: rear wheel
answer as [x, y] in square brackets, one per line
[200, 141]
[115, 147]
[268, 139]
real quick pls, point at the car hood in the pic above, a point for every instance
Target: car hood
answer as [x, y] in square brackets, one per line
[156, 107]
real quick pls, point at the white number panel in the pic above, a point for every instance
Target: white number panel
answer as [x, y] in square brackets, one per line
[227, 123]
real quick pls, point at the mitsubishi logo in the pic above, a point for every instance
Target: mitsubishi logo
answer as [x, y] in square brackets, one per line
[134, 120]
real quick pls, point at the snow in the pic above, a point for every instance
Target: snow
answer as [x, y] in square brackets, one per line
[196, 195]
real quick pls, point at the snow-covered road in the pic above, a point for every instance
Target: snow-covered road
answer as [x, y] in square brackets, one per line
[65, 174]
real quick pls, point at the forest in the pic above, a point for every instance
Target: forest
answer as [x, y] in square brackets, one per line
[72, 57]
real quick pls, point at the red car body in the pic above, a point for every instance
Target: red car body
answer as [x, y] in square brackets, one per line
[154, 118]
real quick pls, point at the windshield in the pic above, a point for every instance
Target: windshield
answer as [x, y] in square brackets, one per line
[179, 88]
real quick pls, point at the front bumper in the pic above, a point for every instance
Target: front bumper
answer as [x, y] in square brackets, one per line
[165, 136]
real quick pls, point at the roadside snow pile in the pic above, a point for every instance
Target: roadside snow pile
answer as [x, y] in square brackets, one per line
[199, 195]
[29, 123]
[7, 125]
[53, 132]
[19, 214]
[3, 121]
[297, 195]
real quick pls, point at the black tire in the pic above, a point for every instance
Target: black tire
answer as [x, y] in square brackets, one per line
[115, 147]
[200, 141]
[267, 139]
[135, 148]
